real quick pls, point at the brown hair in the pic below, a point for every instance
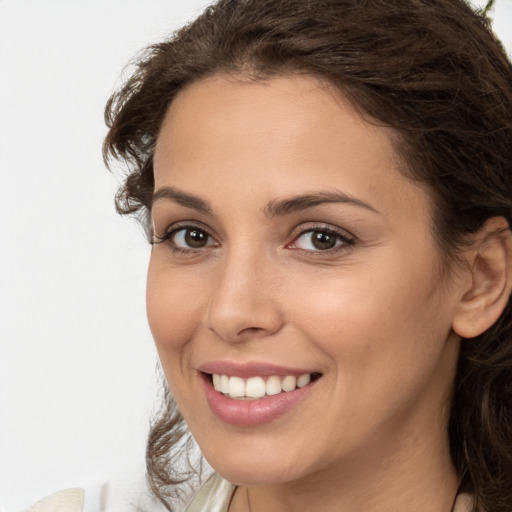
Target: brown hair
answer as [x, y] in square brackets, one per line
[430, 69]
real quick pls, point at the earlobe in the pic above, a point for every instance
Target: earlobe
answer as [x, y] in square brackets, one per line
[490, 265]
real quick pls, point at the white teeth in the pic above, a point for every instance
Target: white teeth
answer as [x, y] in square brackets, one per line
[273, 385]
[236, 387]
[303, 380]
[289, 383]
[257, 387]
[224, 384]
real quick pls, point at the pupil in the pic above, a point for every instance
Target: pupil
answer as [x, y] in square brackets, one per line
[323, 240]
[195, 238]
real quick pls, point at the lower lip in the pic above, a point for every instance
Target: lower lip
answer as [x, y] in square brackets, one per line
[248, 413]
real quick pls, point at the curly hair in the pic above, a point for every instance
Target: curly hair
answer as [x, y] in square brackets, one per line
[430, 69]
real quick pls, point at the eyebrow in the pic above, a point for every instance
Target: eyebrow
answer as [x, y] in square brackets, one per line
[182, 198]
[274, 208]
[277, 208]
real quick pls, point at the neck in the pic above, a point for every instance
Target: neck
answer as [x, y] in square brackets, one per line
[384, 482]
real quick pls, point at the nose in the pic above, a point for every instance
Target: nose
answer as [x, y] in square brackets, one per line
[245, 302]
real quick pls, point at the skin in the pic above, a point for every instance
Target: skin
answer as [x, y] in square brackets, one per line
[374, 316]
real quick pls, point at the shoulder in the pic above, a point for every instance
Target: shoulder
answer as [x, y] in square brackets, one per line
[464, 503]
[117, 495]
[214, 496]
[68, 500]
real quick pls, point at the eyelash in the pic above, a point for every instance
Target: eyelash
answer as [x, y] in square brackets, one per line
[166, 238]
[344, 240]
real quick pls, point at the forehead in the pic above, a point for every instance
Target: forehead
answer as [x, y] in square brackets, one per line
[283, 106]
[278, 137]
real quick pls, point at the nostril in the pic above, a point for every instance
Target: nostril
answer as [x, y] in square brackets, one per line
[241, 308]
[251, 330]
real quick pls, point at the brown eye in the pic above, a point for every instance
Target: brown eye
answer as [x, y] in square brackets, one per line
[191, 238]
[323, 240]
[318, 240]
[195, 238]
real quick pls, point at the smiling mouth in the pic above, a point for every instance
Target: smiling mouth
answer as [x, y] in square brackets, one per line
[254, 388]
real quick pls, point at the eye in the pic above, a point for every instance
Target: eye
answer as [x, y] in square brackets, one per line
[321, 239]
[191, 238]
[186, 238]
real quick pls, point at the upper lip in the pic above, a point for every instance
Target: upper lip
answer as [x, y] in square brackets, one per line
[250, 369]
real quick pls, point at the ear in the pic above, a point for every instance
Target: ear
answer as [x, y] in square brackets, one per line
[490, 268]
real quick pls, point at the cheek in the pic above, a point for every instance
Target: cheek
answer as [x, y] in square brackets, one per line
[384, 337]
[174, 312]
[174, 305]
[373, 320]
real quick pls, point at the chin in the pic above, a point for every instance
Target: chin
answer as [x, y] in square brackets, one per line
[243, 469]
[256, 476]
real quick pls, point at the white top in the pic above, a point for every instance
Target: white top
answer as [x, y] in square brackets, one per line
[214, 496]
[69, 500]
[123, 494]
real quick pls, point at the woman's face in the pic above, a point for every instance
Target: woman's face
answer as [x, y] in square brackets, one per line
[294, 260]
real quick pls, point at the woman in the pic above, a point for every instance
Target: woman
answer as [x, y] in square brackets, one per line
[327, 188]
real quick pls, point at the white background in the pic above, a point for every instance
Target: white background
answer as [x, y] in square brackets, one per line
[77, 364]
